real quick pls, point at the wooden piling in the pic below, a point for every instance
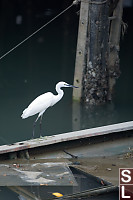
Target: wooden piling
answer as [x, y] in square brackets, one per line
[81, 49]
[95, 78]
[97, 59]
[115, 32]
[92, 52]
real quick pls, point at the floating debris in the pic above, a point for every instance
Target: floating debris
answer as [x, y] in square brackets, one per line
[57, 194]
[109, 169]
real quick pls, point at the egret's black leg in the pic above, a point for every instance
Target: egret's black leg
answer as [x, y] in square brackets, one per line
[33, 133]
[41, 125]
[34, 124]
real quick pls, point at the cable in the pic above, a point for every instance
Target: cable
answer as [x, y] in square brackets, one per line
[37, 31]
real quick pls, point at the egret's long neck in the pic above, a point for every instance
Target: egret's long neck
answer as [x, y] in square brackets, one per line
[60, 93]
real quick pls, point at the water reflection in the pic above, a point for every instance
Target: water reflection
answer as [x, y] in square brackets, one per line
[90, 117]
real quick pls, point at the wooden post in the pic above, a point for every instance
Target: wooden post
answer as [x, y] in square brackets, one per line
[95, 78]
[81, 49]
[115, 31]
[97, 59]
[92, 52]
[76, 120]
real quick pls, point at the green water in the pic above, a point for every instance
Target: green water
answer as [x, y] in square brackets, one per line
[37, 65]
[35, 68]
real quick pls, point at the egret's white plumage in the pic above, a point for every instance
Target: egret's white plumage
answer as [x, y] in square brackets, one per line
[40, 104]
[44, 101]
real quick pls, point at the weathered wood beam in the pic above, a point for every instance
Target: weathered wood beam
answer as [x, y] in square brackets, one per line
[81, 48]
[65, 137]
[115, 32]
[95, 78]
[97, 57]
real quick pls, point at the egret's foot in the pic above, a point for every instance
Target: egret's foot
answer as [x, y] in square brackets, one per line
[41, 138]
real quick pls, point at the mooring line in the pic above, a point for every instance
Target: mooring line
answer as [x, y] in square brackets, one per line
[74, 3]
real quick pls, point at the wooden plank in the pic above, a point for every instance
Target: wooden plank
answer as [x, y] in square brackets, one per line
[54, 139]
[114, 40]
[81, 48]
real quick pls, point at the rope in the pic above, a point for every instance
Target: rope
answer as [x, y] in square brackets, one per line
[74, 3]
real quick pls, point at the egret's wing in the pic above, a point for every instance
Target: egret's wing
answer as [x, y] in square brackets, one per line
[41, 103]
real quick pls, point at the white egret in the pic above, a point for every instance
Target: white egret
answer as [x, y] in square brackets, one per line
[44, 101]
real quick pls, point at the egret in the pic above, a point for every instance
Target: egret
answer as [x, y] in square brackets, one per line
[44, 101]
